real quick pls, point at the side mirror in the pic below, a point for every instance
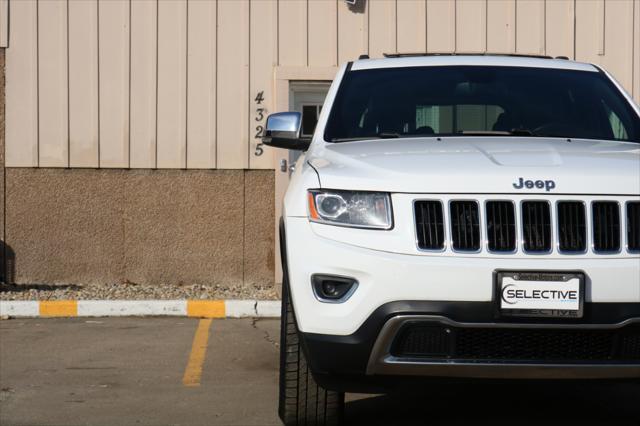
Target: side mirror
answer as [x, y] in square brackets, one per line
[283, 131]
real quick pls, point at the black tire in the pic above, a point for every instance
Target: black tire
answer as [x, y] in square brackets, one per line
[301, 400]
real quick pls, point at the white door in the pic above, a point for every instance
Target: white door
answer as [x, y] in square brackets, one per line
[306, 98]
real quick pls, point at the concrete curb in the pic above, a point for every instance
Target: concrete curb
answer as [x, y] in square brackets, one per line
[126, 308]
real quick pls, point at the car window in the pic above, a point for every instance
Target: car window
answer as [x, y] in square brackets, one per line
[462, 100]
[450, 118]
[617, 125]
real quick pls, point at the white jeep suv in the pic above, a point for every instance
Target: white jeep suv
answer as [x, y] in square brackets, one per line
[459, 217]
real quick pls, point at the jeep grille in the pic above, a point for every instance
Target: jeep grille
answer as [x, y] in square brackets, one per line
[532, 226]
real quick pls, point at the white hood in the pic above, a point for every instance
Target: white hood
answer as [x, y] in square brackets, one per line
[479, 165]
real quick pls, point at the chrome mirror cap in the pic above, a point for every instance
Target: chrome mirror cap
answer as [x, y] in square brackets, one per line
[283, 131]
[284, 122]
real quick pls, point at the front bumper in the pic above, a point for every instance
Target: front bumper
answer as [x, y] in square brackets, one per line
[385, 277]
[347, 349]
[364, 362]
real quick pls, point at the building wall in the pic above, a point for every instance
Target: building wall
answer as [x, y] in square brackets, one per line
[132, 125]
[145, 226]
[172, 84]
[95, 226]
[2, 108]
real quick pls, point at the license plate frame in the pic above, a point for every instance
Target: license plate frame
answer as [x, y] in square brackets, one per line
[560, 279]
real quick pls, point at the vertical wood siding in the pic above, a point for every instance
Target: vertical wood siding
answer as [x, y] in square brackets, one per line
[382, 27]
[83, 93]
[201, 90]
[53, 118]
[353, 33]
[4, 23]
[113, 86]
[531, 26]
[411, 34]
[501, 26]
[143, 78]
[233, 84]
[472, 36]
[559, 28]
[262, 60]
[174, 83]
[292, 32]
[441, 26]
[636, 51]
[323, 33]
[21, 86]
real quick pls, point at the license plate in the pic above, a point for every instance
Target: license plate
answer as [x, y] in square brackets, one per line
[540, 294]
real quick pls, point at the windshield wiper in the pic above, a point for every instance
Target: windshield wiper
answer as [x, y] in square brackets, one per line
[512, 132]
[483, 133]
[381, 135]
[523, 132]
[388, 135]
[391, 135]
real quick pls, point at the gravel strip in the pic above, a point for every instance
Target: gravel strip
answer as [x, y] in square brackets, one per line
[132, 291]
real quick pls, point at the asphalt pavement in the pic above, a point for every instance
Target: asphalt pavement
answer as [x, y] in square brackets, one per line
[179, 371]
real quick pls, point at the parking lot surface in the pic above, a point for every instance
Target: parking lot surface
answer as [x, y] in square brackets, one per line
[164, 371]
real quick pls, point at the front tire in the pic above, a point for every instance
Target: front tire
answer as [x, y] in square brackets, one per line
[301, 400]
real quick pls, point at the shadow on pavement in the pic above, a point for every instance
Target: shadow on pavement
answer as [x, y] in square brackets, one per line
[503, 405]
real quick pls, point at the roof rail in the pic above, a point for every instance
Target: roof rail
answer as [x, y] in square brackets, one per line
[517, 55]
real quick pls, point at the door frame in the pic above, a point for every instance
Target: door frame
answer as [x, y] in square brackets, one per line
[284, 76]
[304, 91]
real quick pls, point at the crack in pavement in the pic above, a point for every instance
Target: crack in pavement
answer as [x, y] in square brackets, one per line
[267, 337]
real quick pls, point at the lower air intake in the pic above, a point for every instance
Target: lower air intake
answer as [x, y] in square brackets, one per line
[517, 344]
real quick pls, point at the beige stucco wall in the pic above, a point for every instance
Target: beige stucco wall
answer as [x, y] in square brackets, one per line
[152, 227]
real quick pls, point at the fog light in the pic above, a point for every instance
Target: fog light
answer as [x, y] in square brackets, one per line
[332, 288]
[329, 289]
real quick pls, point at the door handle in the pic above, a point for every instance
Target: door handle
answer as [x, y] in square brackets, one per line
[283, 165]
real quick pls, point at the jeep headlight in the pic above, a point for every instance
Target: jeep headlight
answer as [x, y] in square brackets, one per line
[356, 209]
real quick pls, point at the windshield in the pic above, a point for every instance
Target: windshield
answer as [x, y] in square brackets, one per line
[480, 100]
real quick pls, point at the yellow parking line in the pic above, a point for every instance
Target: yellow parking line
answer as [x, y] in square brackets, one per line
[206, 308]
[198, 350]
[59, 308]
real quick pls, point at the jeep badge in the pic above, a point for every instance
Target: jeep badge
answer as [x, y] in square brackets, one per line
[548, 185]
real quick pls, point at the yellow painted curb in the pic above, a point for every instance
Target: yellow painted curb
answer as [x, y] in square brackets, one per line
[59, 308]
[206, 308]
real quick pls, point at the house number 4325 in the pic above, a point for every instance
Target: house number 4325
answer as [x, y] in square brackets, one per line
[261, 113]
